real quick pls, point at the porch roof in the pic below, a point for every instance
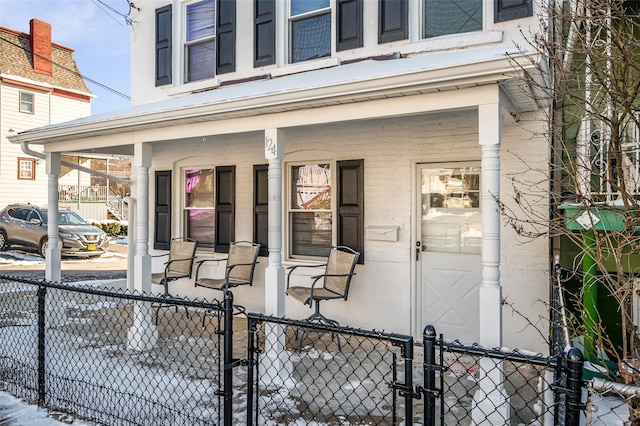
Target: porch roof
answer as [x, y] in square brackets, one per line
[348, 83]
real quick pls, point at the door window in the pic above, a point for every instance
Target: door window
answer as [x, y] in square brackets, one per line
[451, 218]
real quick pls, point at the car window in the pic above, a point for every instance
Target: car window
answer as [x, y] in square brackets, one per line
[70, 218]
[19, 214]
[67, 217]
[33, 215]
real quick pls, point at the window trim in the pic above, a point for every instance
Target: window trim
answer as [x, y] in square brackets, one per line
[288, 210]
[25, 160]
[186, 44]
[318, 12]
[32, 102]
[183, 201]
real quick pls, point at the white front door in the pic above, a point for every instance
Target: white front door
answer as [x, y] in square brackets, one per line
[449, 250]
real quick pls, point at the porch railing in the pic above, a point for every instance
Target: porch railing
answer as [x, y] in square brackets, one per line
[82, 193]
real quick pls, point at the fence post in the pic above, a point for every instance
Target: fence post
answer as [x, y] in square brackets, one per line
[251, 327]
[228, 358]
[575, 363]
[429, 343]
[42, 292]
[408, 381]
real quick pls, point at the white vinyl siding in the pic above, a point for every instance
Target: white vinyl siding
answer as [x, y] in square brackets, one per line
[49, 109]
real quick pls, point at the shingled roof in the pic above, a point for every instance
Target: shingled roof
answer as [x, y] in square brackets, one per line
[16, 60]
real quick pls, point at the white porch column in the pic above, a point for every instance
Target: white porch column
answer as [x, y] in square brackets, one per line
[490, 290]
[143, 334]
[274, 274]
[53, 261]
[490, 403]
[277, 365]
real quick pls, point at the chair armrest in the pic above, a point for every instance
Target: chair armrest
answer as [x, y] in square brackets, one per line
[160, 255]
[203, 261]
[294, 267]
[333, 275]
[169, 262]
[230, 267]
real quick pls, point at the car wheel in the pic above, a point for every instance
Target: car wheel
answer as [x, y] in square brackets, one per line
[43, 247]
[3, 241]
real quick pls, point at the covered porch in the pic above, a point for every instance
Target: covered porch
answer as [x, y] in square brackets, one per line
[394, 114]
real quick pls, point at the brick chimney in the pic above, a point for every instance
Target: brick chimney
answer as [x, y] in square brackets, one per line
[41, 47]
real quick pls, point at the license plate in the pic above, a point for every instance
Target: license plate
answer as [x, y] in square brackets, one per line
[92, 247]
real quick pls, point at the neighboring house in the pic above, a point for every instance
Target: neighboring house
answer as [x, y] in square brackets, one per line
[389, 126]
[40, 84]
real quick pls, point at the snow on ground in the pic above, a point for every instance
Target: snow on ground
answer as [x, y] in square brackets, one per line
[14, 411]
[19, 257]
[609, 410]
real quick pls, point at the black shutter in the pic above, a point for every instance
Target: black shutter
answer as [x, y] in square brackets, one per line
[226, 37]
[351, 205]
[225, 207]
[163, 45]
[162, 211]
[349, 24]
[264, 32]
[392, 20]
[261, 207]
[506, 10]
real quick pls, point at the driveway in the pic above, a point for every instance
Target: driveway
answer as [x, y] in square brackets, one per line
[29, 264]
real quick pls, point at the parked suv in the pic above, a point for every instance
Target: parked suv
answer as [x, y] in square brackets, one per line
[26, 225]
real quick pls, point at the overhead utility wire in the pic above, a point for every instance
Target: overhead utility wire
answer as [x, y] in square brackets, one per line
[114, 91]
[127, 17]
[103, 6]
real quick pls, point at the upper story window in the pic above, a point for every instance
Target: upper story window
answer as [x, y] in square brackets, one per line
[200, 41]
[208, 40]
[26, 168]
[26, 102]
[451, 17]
[310, 26]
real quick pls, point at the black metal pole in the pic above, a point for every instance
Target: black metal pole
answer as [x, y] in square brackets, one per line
[42, 293]
[251, 329]
[575, 363]
[228, 358]
[429, 342]
[408, 381]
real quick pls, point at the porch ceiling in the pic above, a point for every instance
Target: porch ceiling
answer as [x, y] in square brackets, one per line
[359, 82]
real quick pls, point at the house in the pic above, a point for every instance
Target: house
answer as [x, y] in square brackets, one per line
[40, 84]
[390, 126]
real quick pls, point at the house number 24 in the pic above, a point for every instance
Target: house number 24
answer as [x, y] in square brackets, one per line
[270, 149]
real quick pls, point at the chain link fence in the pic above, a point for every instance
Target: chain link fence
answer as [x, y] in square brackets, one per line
[100, 355]
[121, 358]
[611, 403]
[302, 374]
[467, 385]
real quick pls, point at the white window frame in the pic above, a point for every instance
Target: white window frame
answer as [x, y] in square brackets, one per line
[290, 210]
[186, 44]
[183, 195]
[26, 173]
[291, 19]
[23, 103]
